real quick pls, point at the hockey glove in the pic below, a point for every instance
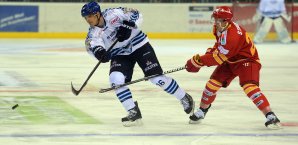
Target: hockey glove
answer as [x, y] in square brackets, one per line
[209, 51]
[194, 64]
[101, 54]
[124, 31]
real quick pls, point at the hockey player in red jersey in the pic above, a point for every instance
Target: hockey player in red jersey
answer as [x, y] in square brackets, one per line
[235, 55]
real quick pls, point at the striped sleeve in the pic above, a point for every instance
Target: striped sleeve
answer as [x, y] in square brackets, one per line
[217, 57]
[133, 15]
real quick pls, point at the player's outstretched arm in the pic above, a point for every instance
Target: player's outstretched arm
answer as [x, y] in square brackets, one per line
[194, 64]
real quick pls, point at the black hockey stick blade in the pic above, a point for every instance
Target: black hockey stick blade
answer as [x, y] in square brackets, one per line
[141, 79]
[77, 92]
[74, 91]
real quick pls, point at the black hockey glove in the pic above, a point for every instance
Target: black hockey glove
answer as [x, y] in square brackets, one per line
[124, 31]
[101, 54]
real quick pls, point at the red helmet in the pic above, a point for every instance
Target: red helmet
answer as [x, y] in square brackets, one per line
[223, 12]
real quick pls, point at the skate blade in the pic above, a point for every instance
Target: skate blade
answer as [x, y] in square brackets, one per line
[137, 122]
[275, 126]
[195, 122]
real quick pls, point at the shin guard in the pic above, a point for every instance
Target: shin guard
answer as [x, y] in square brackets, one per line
[209, 93]
[255, 94]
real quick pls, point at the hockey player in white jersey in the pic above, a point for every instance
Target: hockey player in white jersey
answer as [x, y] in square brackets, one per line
[133, 47]
[271, 12]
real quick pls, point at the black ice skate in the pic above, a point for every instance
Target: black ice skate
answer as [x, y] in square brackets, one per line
[187, 103]
[133, 118]
[272, 121]
[198, 116]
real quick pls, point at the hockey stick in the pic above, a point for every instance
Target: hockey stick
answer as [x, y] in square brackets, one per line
[141, 79]
[292, 23]
[77, 92]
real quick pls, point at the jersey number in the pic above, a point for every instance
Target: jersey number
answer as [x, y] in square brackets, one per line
[160, 83]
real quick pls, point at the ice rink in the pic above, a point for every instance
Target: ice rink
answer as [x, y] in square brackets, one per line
[36, 74]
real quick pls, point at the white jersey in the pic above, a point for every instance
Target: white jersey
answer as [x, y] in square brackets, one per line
[105, 36]
[272, 8]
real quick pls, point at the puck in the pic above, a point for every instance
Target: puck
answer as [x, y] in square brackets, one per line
[15, 106]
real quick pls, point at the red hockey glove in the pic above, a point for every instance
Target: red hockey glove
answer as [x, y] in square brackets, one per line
[209, 51]
[194, 64]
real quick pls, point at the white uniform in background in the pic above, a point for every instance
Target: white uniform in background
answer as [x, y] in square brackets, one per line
[271, 12]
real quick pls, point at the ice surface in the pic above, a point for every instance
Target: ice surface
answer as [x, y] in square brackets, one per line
[45, 67]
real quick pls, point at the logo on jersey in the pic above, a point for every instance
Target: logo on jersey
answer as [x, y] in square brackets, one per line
[223, 50]
[114, 20]
[112, 34]
[115, 64]
[238, 28]
[246, 64]
[150, 65]
[223, 38]
[146, 53]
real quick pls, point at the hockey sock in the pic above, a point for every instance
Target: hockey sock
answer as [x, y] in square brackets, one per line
[125, 97]
[255, 94]
[169, 85]
[123, 93]
[210, 90]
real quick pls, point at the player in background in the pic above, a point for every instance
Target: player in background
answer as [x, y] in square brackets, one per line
[272, 12]
[235, 55]
[123, 24]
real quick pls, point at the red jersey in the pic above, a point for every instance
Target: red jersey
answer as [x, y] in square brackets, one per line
[232, 45]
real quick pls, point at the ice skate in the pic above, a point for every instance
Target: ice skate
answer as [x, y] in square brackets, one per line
[134, 117]
[198, 116]
[272, 121]
[187, 103]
